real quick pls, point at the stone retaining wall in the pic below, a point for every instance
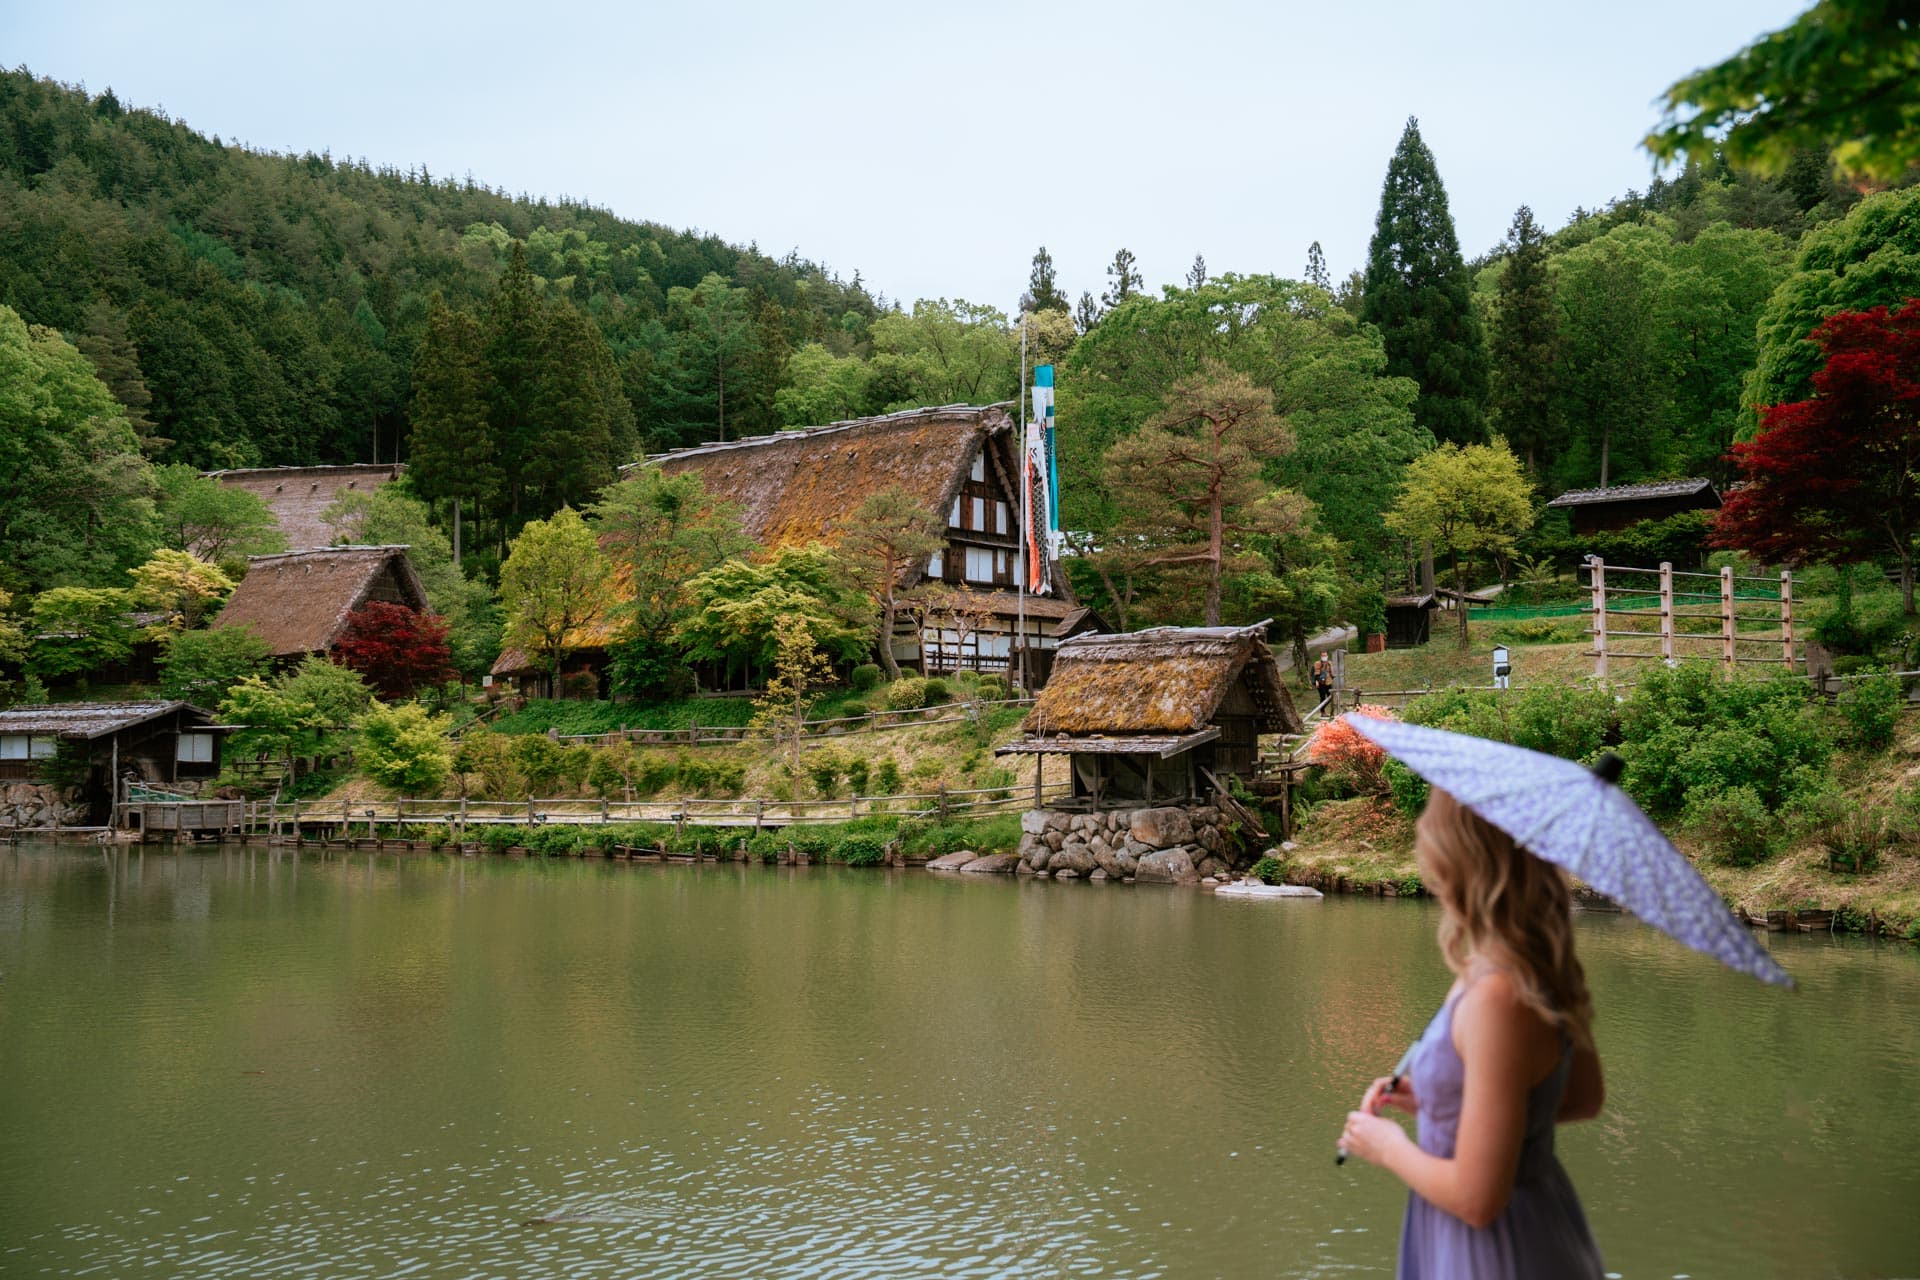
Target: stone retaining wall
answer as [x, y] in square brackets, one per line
[38, 804]
[1169, 844]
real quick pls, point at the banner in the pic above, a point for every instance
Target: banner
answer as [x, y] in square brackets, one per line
[1043, 414]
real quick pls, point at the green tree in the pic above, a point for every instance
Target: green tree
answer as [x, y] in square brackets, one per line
[77, 630]
[1419, 294]
[887, 543]
[553, 588]
[405, 748]
[1464, 501]
[516, 325]
[1524, 403]
[1124, 280]
[75, 495]
[214, 521]
[1611, 293]
[1316, 274]
[800, 670]
[451, 456]
[821, 388]
[200, 666]
[659, 532]
[1043, 293]
[1870, 258]
[578, 414]
[1194, 473]
[738, 608]
[943, 353]
[709, 375]
[182, 586]
[1841, 76]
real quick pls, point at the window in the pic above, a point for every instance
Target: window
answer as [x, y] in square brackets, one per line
[13, 746]
[936, 565]
[979, 467]
[979, 564]
[954, 519]
[42, 748]
[979, 514]
[1019, 569]
[195, 748]
[999, 517]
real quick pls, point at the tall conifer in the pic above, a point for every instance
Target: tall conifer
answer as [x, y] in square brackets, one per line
[1317, 267]
[1525, 345]
[1043, 290]
[516, 324]
[1419, 294]
[451, 450]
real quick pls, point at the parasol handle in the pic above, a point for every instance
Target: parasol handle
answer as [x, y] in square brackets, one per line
[1340, 1153]
[1608, 767]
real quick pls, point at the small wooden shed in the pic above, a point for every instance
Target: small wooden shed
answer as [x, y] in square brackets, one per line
[1147, 716]
[1619, 506]
[1410, 619]
[86, 747]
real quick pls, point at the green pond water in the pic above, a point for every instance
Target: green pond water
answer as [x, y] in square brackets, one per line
[256, 1062]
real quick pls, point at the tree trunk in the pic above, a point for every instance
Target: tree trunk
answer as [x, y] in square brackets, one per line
[456, 533]
[891, 667]
[1216, 538]
[1426, 567]
[1606, 450]
[1460, 598]
[1906, 578]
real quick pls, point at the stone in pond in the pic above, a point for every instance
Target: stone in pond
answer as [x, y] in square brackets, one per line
[993, 862]
[951, 861]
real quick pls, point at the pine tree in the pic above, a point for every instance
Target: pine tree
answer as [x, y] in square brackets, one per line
[1526, 347]
[516, 324]
[1317, 268]
[1043, 292]
[1419, 294]
[1124, 272]
[1197, 273]
[1086, 313]
[451, 451]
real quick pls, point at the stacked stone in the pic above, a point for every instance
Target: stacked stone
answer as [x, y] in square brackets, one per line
[35, 804]
[1168, 844]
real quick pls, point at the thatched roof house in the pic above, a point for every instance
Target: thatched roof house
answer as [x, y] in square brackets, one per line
[298, 601]
[298, 496]
[960, 461]
[1148, 713]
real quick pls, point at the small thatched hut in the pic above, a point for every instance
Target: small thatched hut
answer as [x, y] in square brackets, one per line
[298, 602]
[1148, 715]
[62, 763]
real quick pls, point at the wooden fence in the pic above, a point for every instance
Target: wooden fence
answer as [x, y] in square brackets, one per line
[1658, 614]
[460, 812]
[696, 734]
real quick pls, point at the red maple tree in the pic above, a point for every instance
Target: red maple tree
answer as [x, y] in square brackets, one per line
[399, 650]
[1837, 478]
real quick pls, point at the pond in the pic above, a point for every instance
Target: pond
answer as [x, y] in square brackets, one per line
[255, 1062]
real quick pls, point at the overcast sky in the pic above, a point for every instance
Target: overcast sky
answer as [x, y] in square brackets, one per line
[933, 147]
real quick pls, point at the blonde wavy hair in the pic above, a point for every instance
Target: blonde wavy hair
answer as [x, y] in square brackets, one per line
[1503, 907]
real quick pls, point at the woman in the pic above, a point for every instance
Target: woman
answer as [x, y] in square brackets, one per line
[1509, 1056]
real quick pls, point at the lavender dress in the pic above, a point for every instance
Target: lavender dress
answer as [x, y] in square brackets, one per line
[1542, 1231]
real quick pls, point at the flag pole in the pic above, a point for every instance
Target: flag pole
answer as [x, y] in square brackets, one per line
[1026, 514]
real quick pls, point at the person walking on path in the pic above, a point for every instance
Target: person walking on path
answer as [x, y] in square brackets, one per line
[1323, 678]
[1509, 1056]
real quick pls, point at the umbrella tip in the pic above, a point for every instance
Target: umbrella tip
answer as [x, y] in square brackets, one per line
[1609, 767]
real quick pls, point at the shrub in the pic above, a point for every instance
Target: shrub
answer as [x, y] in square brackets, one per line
[861, 850]
[766, 846]
[1540, 631]
[1853, 841]
[1870, 706]
[886, 778]
[405, 749]
[994, 689]
[908, 693]
[1269, 870]
[927, 839]
[542, 761]
[857, 775]
[1340, 748]
[607, 773]
[1687, 734]
[1408, 789]
[824, 766]
[654, 770]
[1735, 821]
[865, 676]
[937, 692]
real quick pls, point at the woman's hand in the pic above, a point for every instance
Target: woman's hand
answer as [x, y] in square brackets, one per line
[1371, 1138]
[1378, 1095]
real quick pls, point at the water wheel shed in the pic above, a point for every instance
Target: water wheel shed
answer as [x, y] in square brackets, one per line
[1142, 715]
[82, 748]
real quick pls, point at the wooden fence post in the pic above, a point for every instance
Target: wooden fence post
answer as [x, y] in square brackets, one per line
[1786, 616]
[529, 810]
[1597, 572]
[1666, 612]
[942, 801]
[1727, 632]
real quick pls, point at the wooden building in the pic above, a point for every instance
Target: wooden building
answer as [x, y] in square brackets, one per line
[1158, 715]
[1619, 506]
[1410, 619]
[299, 496]
[298, 601]
[81, 749]
[796, 487]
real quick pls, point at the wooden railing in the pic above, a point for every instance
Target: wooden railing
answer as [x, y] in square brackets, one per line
[833, 726]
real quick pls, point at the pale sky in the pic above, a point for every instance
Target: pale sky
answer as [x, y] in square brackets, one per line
[933, 147]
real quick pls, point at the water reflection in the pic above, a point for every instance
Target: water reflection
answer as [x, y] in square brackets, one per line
[250, 1061]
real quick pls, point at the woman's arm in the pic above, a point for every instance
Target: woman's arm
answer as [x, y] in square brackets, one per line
[1500, 1042]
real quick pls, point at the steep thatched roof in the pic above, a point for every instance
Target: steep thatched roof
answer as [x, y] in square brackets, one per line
[796, 487]
[90, 719]
[298, 496]
[298, 602]
[1166, 680]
